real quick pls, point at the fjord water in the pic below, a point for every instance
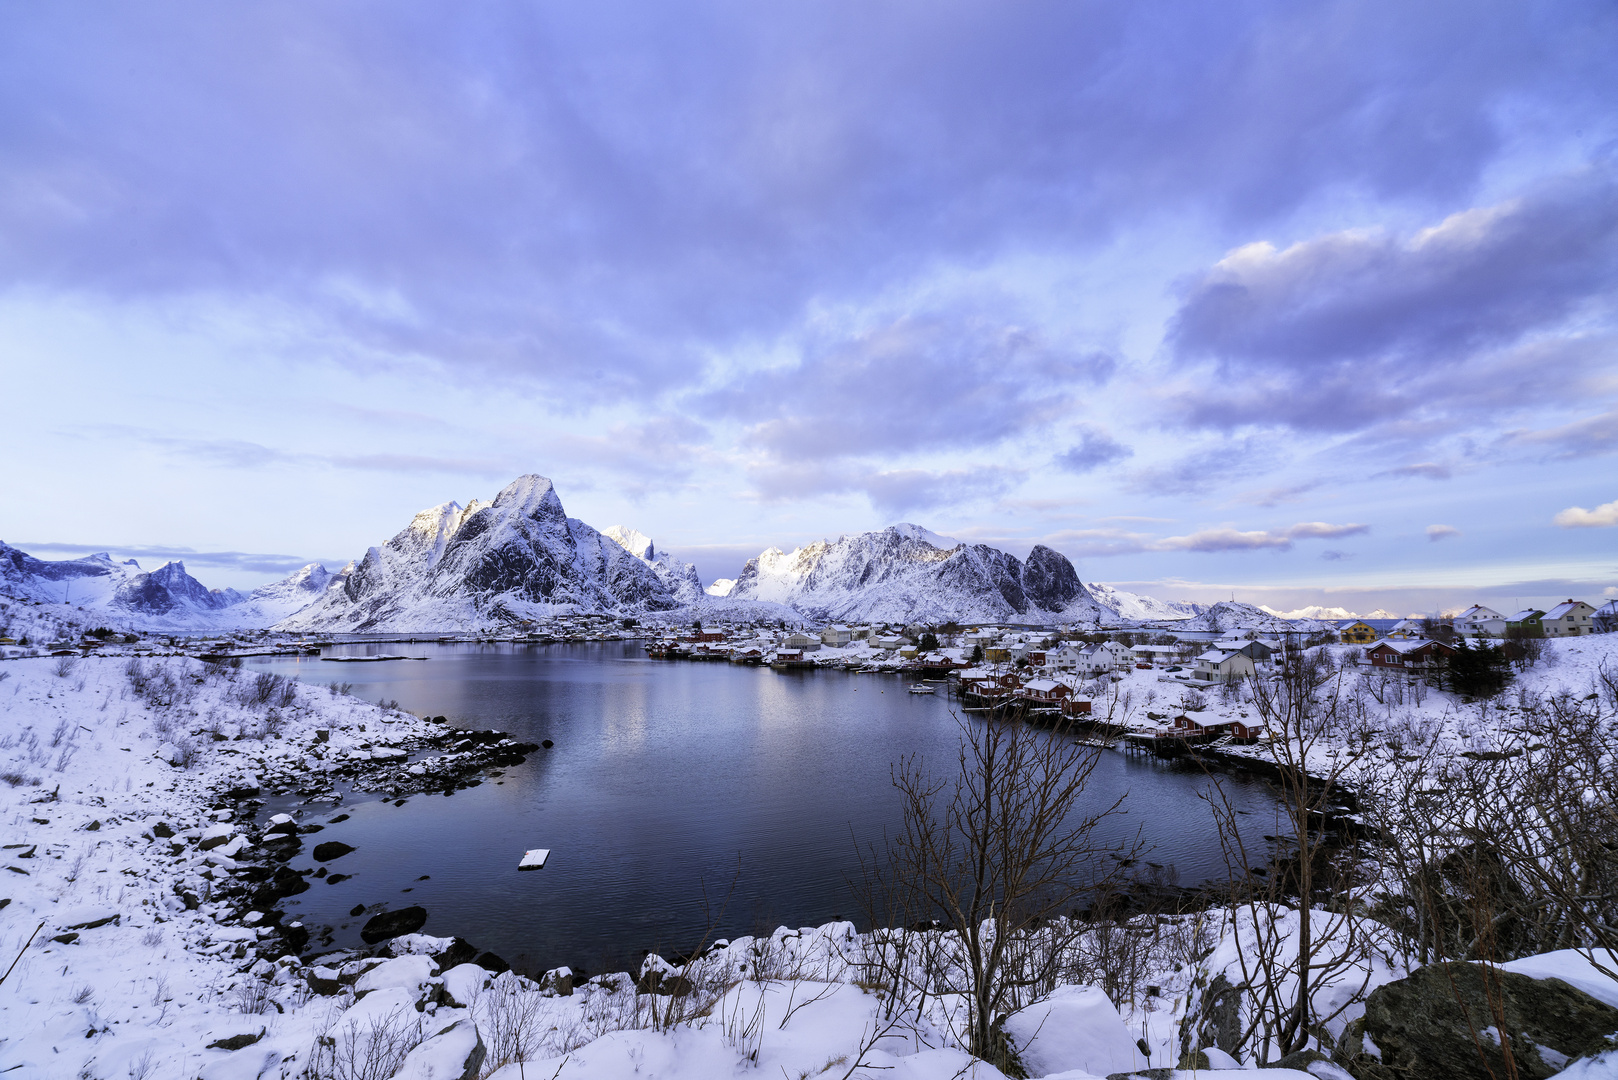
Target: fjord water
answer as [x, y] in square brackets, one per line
[671, 787]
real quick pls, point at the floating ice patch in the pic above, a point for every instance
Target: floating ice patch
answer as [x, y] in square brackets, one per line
[534, 859]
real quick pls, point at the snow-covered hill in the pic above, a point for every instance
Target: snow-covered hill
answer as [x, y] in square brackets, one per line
[1230, 615]
[1138, 607]
[902, 574]
[490, 565]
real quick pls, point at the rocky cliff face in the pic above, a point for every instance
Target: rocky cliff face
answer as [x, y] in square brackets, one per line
[489, 564]
[902, 574]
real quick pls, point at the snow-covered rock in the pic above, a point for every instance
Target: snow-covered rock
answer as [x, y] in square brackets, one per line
[1075, 1027]
[454, 1053]
[899, 574]
[409, 973]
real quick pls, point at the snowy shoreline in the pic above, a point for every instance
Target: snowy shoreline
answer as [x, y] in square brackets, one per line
[132, 861]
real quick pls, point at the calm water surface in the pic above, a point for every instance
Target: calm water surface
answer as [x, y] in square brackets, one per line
[671, 785]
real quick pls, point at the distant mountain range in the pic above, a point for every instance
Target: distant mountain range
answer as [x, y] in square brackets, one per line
[167, 598]
[520, 558]
[902, 574]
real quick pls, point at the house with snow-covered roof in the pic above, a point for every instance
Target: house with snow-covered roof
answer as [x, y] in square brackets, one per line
[1224, 666]
[1405, 629]
[1480, 621]
[1529, 622]
[1570, 618]
[1605, 620]
[836, 635]
[1418, 655]
[1357, 632]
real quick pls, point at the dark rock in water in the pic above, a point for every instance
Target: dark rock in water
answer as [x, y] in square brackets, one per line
[236, 1042]
[331, 849]
[1430, 1026]
[459, 952]
[358, 910]
[339, 817]
[335, 878]
[284, 882]
[162, 829]
[392, 924]
[547, 744]
[321, 872]
[490, 962]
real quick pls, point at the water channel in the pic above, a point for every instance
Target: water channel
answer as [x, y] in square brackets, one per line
[671, 785]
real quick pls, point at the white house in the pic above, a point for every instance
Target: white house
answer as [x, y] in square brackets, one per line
[836, 635]
[1605, 620]
[1065, 658]
[1220, 665]
[1479, 621]
[1107, 656]
[1570, 618]
[1405, 629]
[801, 642]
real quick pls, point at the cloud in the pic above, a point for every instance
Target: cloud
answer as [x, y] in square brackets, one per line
[1093, 450]
[892, 492]
[1351, 329]
[1436, 533]
[245, 454]
[1237, 540]
[1200, 470]
[1332, 555]
[917, 383]
[232, 560]
[599, 200]
[1427, 470]
[1577, 517]
[1580, 438]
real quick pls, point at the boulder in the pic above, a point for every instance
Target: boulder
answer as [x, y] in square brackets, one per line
[408, 973]
[455, 1053]
[331, 849]
[391, 924]
[216, 836]
[1449, 1021]
[462, 983]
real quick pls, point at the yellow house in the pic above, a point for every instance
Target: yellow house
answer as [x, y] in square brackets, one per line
[1358, 633]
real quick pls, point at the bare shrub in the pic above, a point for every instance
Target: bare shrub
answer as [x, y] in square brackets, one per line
[509, 1019]
[64, 666]
[13, 778]
[251, 996]
[999, 851]
[371, 1048]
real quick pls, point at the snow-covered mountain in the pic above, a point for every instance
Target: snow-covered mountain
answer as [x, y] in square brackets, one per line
[122, 596]
[489, 565]
[902, 574]
[1230, 615]
[1316, 611]
[721, 587]
[1138, 607]
[679, 577]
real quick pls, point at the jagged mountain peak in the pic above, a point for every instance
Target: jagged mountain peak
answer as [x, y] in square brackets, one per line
[633, 541]
[499, 563]
[532, 496]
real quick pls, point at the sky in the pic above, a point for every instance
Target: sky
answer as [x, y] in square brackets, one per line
[1291, 303]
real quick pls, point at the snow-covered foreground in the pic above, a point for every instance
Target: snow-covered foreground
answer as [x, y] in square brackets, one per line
[137, 895]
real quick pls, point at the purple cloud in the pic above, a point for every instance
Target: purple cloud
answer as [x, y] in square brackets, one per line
[1355, 328]
[1093, 450]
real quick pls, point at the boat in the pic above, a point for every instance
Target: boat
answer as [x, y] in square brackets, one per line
[921, 688]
